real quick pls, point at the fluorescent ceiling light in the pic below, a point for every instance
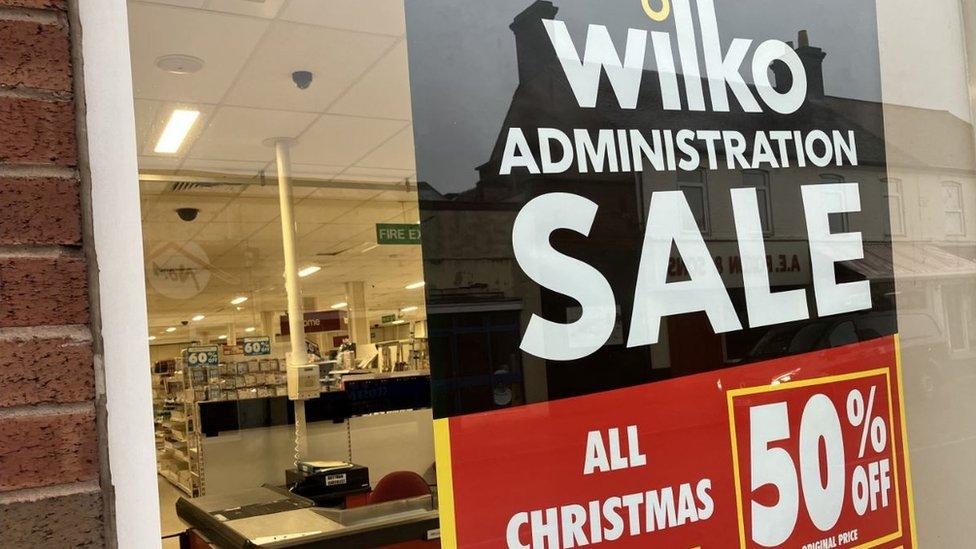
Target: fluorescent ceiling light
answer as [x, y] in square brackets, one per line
[152, 338]
[238, 300]
[340, 305]
[399, 322]
[309, 271]
[170, 330]
[179, 125]
[416, 285]
[369, 248]
[198, 318]
[409, 309]
[250, 329]
[222, 337]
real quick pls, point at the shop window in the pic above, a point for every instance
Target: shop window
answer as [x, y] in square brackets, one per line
[952, 207]
[759, 180]
[694, 186]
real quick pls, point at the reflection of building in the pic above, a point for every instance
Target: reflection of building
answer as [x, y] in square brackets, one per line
[479, 221]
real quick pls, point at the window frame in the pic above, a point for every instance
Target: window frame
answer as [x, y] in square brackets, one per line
[894, 190]
[768, 226]
[681, 185]
[961, 211]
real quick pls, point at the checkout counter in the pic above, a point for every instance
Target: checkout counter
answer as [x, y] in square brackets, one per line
[274, 517]
[327, 509]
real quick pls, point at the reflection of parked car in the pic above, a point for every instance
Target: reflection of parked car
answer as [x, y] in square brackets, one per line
[925, 351]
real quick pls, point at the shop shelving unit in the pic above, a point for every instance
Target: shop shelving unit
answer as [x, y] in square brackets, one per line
[178, 456]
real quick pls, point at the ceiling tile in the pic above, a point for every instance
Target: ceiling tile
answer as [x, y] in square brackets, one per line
[384, 92]
[237, 133]
[222, 41]
[146, 113]
[230, 167]
[267, 9]
[378, 175]
[342, 140]
[151, 162]
[395, 153]
[180, 3]
[379, 16]
[313, 171]
[335, 57]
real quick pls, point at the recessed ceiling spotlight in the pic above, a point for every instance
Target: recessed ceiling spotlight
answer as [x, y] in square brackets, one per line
[222, 337]
[198, 318]
[170, 330]
[152, 338]
[250, 329]
[179, 64]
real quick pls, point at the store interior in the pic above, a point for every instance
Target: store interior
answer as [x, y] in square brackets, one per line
[230, 95]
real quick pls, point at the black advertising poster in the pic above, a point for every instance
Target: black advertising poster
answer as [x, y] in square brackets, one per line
[654, 232]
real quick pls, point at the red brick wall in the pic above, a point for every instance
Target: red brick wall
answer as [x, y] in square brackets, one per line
[50, 492]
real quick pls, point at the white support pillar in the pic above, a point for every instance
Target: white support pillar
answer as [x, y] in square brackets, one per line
[289, 230]
[358, 319]
[293, 288]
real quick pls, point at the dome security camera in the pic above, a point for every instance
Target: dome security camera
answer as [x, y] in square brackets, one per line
[302, 79]
[187, 214]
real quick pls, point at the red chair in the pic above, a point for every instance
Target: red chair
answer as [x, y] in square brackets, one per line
[399, 485]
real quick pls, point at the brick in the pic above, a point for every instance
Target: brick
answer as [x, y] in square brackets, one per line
[35, 55]
[37, 132]
[73, 520]
[38, 4]
[39, 371]
[44, 450]
[40, 211]
[43, 291]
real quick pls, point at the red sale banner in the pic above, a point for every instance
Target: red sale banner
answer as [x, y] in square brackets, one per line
[807, 451]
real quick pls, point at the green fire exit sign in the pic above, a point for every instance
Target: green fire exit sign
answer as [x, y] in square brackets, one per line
[398, 233]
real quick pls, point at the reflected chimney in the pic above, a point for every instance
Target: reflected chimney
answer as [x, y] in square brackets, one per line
[812, 58]
[531, 42]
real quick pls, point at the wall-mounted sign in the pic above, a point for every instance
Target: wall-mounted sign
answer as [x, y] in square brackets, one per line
[697, 235]
[386, 319]
[319, 321]
[208, 355]
[398, 233]
[257, 346]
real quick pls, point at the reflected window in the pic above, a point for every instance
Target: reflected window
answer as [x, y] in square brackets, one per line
[759, 180]
[693, 185]
[896, 206]
[952, 206]
[839, 223]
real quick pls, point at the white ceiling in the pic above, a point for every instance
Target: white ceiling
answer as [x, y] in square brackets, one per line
[352, 125]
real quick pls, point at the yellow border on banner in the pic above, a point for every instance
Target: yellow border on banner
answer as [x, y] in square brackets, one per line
[445, 482]
[886, 371]
[904, 440]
